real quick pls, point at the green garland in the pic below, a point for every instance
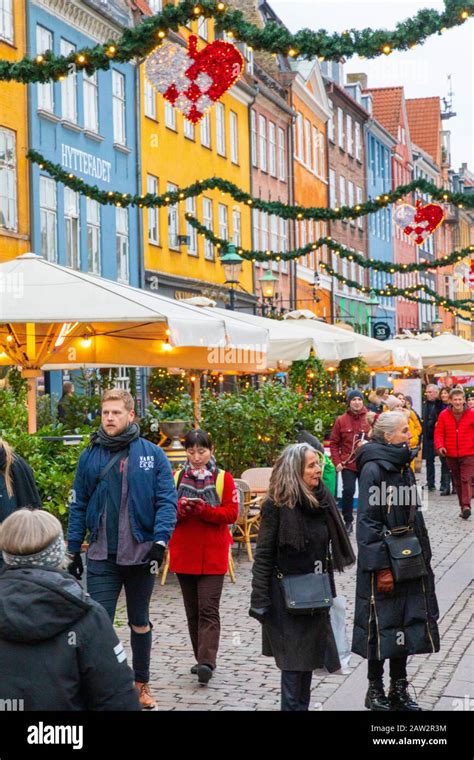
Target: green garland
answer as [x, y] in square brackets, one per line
[275, 208]
[140, 40]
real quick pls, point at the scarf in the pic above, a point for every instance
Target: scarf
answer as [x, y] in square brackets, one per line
[292, 531]
[200, 483]
[397, 454]
[24, 486]
[51, 556]
[116, 442]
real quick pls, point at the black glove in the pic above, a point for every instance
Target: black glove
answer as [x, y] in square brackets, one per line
[259, 613]
[156, 554]
[75, 567]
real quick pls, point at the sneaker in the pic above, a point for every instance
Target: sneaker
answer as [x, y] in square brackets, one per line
[204, 673]
[145, 698]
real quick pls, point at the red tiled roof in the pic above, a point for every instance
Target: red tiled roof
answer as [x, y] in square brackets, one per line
[424, 118]
[387, 106]
[142, 6]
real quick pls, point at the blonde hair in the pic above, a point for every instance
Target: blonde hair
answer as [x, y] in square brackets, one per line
[7, 472]
[388, 422]
[117, 394]
[287, 486]
[28, 531]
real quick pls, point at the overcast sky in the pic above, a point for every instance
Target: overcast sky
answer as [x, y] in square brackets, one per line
[423, 71]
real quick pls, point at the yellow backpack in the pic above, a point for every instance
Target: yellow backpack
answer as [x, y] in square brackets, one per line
[219, 481]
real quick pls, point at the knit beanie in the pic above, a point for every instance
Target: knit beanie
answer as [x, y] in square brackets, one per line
[354, 393]
[50, 556]
[392, 403]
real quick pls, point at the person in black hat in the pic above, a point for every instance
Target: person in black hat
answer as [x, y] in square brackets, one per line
[349, 430]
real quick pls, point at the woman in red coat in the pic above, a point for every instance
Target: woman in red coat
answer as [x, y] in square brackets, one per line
[208, 503]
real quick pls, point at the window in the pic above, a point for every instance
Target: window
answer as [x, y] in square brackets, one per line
[272, 148]
[153, 213]
[316, 138]
[206, 131]
[44, 42]
[284, 242]
[93, 235]
[48, 217]
[122, 244]
[118, 98]
[6, 20]
[69, 87]
[253, 131]
[248, 55]
[234, 138]
[255, 229]
[340, 128]
[71, 218]
[331, 123]
[332, 188]
[322, 159]
[208, 223]
[350, 142]
[191, 231]
[236, 228]
[307, 142]
[155, 5]
[173, 220]
[220, 123]
[150, 100]
[189, 130]
[350, 193]
[223, 222]
[360, 220]
[274, 233]
[358, 143]
[342, 191]
[170, 116]
[91, 102]
[8, 197]
[203, 30]
[299, 142]
[281, 155]
[264, 230]
[262, 132]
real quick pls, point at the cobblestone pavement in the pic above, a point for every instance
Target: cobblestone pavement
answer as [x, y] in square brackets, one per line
[245, 680]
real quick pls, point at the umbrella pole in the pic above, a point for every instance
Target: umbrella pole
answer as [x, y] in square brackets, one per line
[196, 397]
[31, 375]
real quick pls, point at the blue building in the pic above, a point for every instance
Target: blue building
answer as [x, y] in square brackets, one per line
[88, 124]
[379, 146]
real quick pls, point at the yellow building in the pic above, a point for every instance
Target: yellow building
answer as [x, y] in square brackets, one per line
[175, 154]
[14, 184]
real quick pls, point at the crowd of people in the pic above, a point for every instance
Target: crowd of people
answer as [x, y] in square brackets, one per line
[129, 511]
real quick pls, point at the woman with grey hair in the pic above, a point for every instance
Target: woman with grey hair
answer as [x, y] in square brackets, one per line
[301, 534]
[394, 616]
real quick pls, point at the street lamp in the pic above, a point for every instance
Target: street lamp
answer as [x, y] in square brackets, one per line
[372, 304]
[232, 263]
[267, 283]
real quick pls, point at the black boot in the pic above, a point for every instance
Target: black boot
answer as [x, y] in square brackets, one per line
[399, 697]
[375, 698]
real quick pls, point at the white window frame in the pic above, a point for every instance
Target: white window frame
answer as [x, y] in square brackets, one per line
[359, 201]
[253, 137]
[149, 100]
[152, 186]
[155, 6]
[281, 155]
[307, 143]
[272, 160]
[299, 147]
[331, 123]
[93, 222]
[6, 21]
[256, 229]
[349, 135]
[189, 129]
[350, 197]
[315, 164]
[264, 230]
[283, 243]
[332, 189]
[8, 181]
[49, 219]
[340, 127]
[191, 232]
[358, 142]
[72, 231]
[173, 220]
[118, 107]
[91, 102]
[203, 28]
[223, 217]
[234, 137]
[44, 42]
[122, 244]
[342, 191]
[205, 131]
[220, 129]
[262, 142]
[274, 234]
[208, 221]
[170, 116]
[68, 86]
[237, 227]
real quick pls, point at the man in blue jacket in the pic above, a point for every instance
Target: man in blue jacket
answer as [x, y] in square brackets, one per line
[124, 498]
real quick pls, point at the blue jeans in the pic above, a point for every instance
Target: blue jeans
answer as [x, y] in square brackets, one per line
[105, 580]
[295, 690]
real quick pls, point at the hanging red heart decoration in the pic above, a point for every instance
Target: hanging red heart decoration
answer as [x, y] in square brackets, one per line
[419, 222]
[193, 80]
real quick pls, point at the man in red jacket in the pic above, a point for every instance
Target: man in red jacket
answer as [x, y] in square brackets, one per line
[348, 431]
[454, 439]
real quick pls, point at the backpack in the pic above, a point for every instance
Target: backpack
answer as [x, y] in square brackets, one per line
[219, 481]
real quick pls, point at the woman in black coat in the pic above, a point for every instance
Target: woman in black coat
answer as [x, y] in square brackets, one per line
[301, 532]
[392, 620]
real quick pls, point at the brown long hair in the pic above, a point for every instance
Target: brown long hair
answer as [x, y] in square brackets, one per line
[7, 472]
[287, 486]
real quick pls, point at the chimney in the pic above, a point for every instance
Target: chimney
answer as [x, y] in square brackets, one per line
[361, 78]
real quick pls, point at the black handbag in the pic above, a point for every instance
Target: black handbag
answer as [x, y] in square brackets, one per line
[306, 594]
[405, 553]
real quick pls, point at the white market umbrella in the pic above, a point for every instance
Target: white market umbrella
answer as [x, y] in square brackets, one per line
[445, 351]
